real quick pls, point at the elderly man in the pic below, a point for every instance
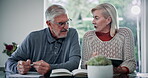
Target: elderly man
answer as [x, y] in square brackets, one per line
[54, 47]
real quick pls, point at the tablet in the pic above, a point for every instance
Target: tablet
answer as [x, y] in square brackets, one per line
[116, 62]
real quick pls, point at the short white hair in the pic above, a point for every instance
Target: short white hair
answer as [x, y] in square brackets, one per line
[53, 11]
[109, 10]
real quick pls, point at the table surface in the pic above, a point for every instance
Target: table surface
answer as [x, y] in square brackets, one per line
[138, 75]
[2, 74]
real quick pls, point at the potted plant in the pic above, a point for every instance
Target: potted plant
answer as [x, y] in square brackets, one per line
[100, 67]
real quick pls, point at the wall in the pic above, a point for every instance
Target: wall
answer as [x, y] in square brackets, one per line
[147, 35]
[17, 19]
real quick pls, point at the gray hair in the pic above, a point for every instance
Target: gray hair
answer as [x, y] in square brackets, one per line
[53, 11]
[109, 10]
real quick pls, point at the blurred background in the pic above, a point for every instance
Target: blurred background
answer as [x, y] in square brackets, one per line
[20, 17]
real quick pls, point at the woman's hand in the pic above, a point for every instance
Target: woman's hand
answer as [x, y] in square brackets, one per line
[120, 70]
[94, 54]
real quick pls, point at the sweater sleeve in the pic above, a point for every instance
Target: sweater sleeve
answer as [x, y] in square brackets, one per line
[128, 50]
[86, 50]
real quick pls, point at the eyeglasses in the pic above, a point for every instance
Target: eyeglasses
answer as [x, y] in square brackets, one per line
[60, 24]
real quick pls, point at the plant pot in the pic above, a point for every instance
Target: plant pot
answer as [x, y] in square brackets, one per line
[100, 71]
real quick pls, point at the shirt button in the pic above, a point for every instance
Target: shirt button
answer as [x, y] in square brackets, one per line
[55, 52]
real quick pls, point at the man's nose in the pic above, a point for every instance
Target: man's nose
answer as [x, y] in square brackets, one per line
[66, 26]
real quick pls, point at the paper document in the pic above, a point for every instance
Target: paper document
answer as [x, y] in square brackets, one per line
[29, 74]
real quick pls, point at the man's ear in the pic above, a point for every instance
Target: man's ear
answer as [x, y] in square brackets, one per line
[48, 23]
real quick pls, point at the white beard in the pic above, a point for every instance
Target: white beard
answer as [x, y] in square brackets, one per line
[58, 35]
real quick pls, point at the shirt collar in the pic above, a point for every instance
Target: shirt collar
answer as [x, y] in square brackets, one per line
[52, 39]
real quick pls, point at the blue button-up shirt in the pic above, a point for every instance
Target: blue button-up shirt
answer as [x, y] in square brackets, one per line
[40, 45]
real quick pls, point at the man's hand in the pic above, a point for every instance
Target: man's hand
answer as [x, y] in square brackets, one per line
[41, 67]
[23, 66]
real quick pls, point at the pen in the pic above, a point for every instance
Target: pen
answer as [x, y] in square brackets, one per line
[31, 64]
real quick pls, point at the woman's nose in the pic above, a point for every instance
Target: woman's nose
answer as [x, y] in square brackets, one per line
[93, 22]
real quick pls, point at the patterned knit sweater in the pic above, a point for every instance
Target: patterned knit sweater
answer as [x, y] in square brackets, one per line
[121, 47]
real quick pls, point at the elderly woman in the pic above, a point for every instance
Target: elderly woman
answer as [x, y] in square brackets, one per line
[109, 40]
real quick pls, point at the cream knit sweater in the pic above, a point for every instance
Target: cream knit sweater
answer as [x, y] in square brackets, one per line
[121, 46]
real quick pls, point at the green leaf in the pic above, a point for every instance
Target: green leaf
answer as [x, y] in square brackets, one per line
[99, 61]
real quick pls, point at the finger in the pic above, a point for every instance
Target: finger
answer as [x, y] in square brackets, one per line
[28, 61]
[20, 62]
[115, 70]
[23, 70]
[42, 70]
[38, 63]
[20, 65]
[97, 53]
[44, 64]
[20, 72]
[119, 68]
[42, 67]
[94, 54]
[24, 66]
